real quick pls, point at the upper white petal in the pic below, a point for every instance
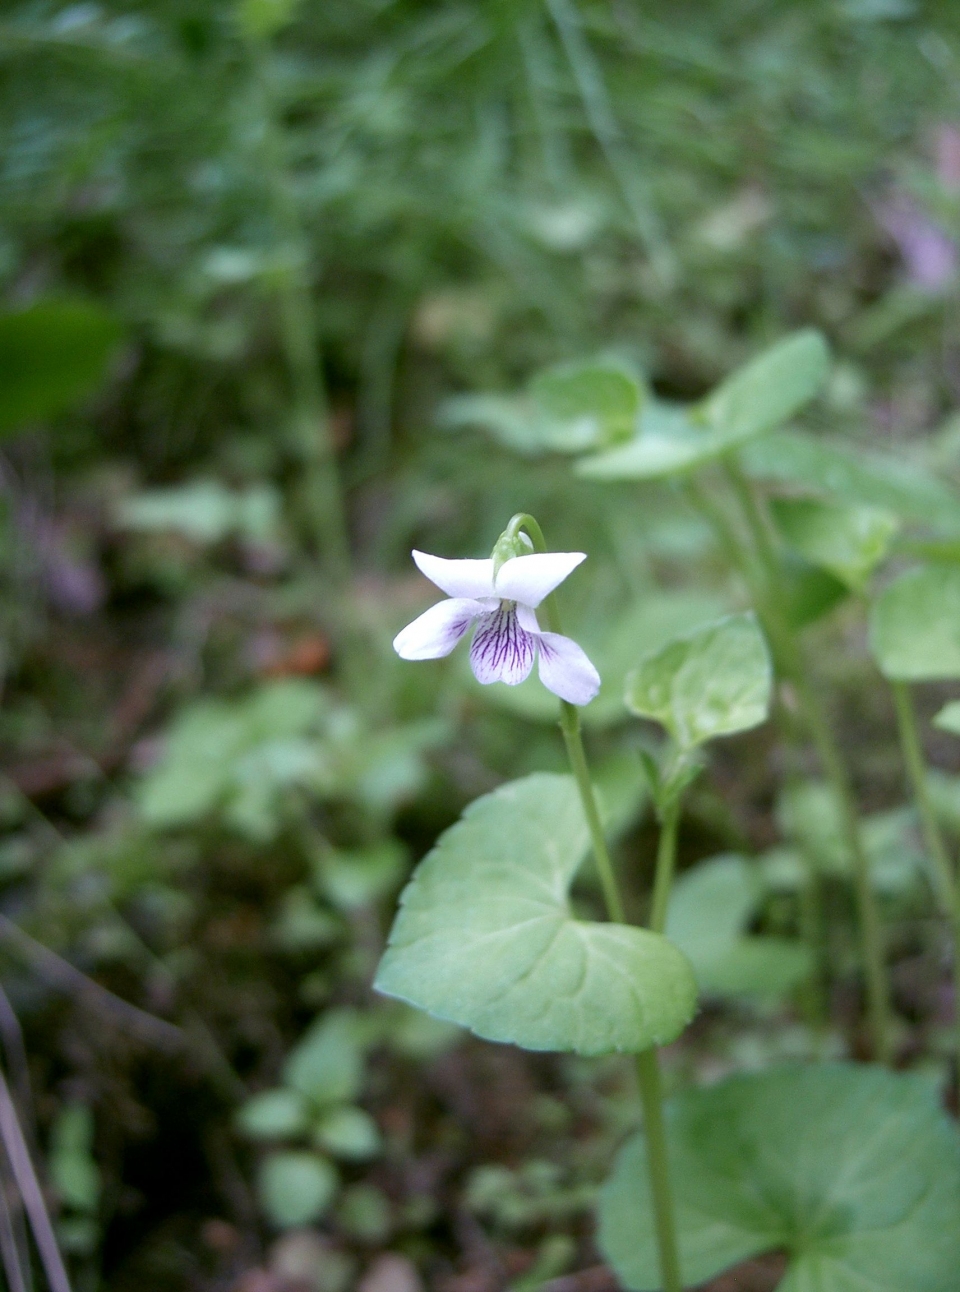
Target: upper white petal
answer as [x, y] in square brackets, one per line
[530, 578]
[565, 670]
[458, 578]
[437, 630]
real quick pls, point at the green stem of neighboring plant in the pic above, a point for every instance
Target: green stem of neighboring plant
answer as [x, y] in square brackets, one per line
[298, 334]
[948, 890]
[666, 863]
[761, 570]
[648, 1070]
[658, 1166]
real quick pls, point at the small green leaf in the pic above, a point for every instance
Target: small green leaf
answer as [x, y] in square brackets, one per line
[52, 355]
[915, 625]
[855, 475]
[274, 1114]
[601, 396]
[849, 541]
[327, 1063]
[349, 1133]
[710, 909]
[759, 397]
[713, 682]
[485, 936]
[296, 1188]
[73, 1169]
[768, 390]
[948, 719]
[806, 591]
[853, 1171]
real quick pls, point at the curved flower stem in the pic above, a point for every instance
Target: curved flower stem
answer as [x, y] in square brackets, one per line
[948, 890]
[648, 1070]
[760, 569]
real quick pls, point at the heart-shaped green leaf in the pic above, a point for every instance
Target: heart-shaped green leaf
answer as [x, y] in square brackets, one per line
[759, 397]
[915, 625]
[854, 1171]
[710, 909]
[849, 541]
[52, 355]
[854, 475]
[485, 936]
[713, 682]
[296, 1187]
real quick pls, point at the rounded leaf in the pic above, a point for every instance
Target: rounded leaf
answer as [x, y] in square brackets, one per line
[485, 936]
[849, 541]
[915, 625]
[274, 1114]
[296, 1188]
[349, 1133]
[853, 1171]
[712, 682]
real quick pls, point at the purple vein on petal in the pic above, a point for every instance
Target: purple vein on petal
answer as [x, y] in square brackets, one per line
[502, 651]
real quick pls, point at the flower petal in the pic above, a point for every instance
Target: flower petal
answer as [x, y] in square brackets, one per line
[530, 578]
[457, 578]
[501, 650]
[565, 669]
[437, 630]
[527, 618]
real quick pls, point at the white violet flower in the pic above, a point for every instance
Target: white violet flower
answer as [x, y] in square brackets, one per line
[508, 638]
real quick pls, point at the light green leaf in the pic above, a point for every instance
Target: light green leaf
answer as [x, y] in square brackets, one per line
[566, 409]
[73, 1169]
[600, 395]
[854, 1171]
[296, 1188]
[326, 1066]
[915, 625]
[204, 511]
[948, 719]
[52, 355]
[713, 682]
[349, 1133]
[809, 815]
[849, 541]
[754, 400]
[351, 878]
[710, 909]
[485, 936]
[274, 1114]
[855, 475]
[768, 390]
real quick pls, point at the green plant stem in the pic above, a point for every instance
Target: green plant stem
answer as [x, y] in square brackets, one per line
[666, 863]
[299, 339]
[648, 1069]
[761, 569]
[658, 1166]
[948, 890]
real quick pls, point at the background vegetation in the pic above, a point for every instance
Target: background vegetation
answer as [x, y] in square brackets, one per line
[254, 258]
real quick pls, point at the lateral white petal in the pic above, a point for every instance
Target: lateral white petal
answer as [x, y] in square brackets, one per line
[457, 578]
[530, 578]
[565, 669]
[437, 630]
[501, 651]
[527, 618]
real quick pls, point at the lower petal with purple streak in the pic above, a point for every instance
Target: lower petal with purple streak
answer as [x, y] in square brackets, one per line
[502, 651]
